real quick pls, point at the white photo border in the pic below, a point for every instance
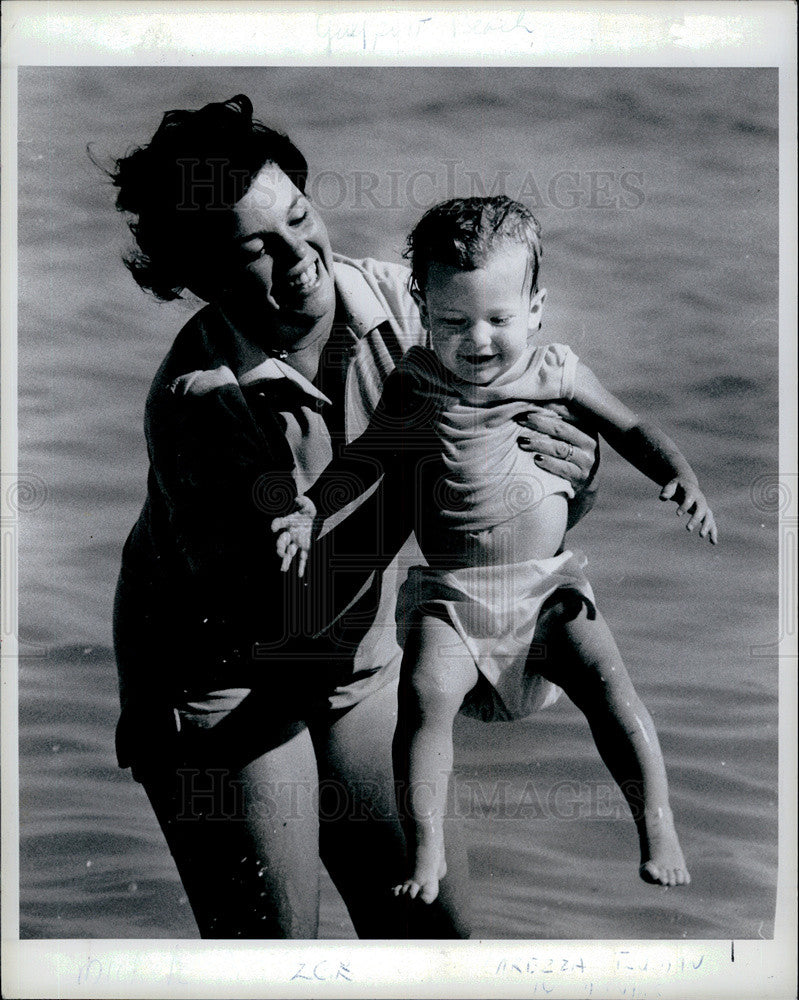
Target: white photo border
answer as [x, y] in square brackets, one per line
[249, 34]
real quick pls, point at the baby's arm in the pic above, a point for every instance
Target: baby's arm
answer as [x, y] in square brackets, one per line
[647, 448]
[354, 470]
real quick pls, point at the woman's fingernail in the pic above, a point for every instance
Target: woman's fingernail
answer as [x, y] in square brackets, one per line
[538, 458]
[525, 440]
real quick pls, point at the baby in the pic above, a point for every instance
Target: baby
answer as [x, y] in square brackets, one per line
[490, 523]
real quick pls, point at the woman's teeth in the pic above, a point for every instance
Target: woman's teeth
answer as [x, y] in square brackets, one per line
[305, 279]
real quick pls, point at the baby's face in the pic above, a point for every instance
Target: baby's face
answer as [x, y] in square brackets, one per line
[480, 321]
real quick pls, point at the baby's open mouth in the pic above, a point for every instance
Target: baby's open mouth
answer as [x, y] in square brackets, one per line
[478, 359]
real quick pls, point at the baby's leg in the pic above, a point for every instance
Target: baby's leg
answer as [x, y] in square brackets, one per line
[583, 659]
[437, 674]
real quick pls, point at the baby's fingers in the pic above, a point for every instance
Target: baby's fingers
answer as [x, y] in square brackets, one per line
[692, 496]
[669, 489]
[708, 529]
[286, 548]
[291, 551]
[303, 562]
[700, 510]
[282, 543]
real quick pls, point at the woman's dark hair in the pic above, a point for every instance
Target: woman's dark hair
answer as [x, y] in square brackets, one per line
[464, 231]
[197, 163]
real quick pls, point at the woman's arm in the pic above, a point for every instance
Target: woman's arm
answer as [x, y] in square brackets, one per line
[646, 447]
[219, 479]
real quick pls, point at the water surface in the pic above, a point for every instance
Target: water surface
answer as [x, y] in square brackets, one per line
[664, 282]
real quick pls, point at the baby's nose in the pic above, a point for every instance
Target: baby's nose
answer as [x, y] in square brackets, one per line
[481, 334]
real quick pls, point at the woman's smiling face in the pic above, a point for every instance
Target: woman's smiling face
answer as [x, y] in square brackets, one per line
[480, 320]
[278, 262]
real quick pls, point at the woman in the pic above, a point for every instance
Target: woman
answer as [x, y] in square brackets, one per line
[258, 712]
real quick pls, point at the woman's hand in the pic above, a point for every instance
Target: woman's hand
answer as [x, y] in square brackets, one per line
[685, 492]
[294, 534]
[564, 450]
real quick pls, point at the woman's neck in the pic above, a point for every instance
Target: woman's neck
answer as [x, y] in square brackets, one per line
[304, 355]
[299, 347]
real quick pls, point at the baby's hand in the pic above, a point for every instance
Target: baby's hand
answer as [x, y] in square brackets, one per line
[691, 500]
[295, 533]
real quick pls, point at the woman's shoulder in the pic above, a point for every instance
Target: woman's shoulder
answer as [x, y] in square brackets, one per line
[385, 273]
[374, 290]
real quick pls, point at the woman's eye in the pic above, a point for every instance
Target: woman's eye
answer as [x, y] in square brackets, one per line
[252, 250]
[501, 320]
[297, 220]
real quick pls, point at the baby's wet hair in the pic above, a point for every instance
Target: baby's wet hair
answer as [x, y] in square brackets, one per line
[197, 164]
[463, 232]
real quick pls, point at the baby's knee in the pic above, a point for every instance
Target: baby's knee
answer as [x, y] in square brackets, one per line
[434, 699]
[438, 671]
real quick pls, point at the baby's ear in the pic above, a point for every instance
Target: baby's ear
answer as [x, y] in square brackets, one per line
[537, 308]
[418, 298]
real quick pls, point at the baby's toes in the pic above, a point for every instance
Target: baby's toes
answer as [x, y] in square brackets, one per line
[657, 874]
[681, 876]
[651, 873]
[429, 891]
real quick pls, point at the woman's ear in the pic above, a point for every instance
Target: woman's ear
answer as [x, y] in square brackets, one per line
[537, 309]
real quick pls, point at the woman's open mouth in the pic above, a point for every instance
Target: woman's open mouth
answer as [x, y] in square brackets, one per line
[300, 282]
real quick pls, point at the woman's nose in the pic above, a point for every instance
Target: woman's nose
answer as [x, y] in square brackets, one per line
[284, 246]
[291, 246]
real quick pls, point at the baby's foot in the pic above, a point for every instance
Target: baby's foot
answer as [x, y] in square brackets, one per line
[662, 861]
[423, 883]
[430, 864]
